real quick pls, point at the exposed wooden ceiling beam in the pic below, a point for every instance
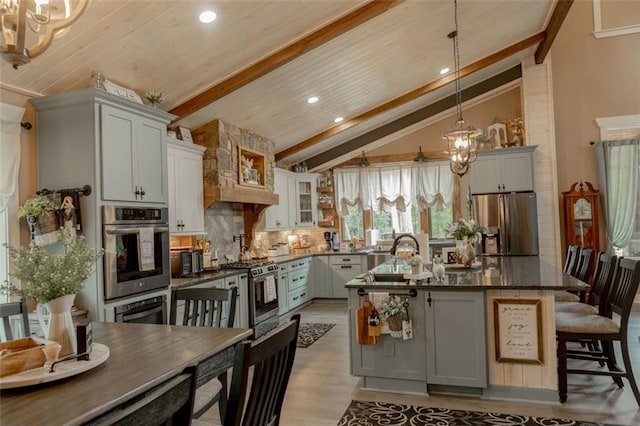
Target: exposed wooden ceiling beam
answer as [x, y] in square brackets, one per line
[429, 87]
[555, 23]
[285, 55]
[394, 126]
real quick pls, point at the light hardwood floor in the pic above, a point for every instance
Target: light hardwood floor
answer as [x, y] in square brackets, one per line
[321, 388]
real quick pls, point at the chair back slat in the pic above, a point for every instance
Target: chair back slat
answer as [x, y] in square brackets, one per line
[8, 310]
[572, 259]
[602, 279]
[584, 264]
[272, 358]
[624, 288]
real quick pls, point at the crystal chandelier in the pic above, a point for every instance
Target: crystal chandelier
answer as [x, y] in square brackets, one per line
[461, 140]
[28, 26]
[363, 161]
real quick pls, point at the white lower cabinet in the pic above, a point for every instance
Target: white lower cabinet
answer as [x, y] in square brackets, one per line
[320, 278]
[283, 288]
[455, 329]
[299, 282]
[344, 268]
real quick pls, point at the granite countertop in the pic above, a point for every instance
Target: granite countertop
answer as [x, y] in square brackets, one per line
[518, 273]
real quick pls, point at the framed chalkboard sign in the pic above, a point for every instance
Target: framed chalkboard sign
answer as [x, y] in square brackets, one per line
[518, 330]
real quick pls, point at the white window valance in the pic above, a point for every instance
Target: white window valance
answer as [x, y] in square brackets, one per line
[382, 187]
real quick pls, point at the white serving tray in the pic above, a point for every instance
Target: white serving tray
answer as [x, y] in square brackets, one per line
[99, 354]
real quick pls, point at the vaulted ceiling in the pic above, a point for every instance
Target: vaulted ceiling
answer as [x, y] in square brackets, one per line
[370, 62]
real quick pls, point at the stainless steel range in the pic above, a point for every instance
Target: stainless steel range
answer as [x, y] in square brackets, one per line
[262, 293]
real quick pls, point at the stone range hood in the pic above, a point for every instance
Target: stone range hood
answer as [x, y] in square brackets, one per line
[221, 164]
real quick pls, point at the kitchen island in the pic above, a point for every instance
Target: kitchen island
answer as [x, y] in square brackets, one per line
[467, 338]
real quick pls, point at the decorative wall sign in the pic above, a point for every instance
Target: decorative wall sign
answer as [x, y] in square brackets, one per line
[184, 134]
[123, 92]
[518, 330]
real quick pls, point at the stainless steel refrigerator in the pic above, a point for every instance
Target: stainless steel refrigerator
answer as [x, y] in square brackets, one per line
[510, 222]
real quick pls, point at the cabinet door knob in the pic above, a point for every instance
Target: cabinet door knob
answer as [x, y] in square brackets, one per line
[142, 193]
[136, 191]
[429, 299]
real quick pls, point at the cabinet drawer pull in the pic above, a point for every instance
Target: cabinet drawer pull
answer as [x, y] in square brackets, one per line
[303, 294]
[346, 267]
[346, 260]
[429, 299]
[296, 298]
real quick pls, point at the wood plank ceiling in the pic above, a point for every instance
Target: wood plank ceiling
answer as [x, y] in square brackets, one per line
[255, 66]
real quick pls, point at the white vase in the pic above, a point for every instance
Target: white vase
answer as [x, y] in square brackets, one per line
[60, 327]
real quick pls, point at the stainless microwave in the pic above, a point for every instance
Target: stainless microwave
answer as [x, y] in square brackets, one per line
[136, 245]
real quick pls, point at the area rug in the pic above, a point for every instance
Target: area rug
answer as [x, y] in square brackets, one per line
[310, 332]
[362, 413]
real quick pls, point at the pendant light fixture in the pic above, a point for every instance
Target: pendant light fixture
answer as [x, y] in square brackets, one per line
[461, 140]
[28, 26]
[420, 158]
[363, 161]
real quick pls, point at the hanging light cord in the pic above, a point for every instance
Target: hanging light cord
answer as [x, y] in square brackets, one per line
[456, 61]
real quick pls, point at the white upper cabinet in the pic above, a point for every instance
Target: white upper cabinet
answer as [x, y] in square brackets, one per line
[186, 205]
[133, 157]
[277, 216]
[306, 200]
[503, 170]
[297, 201]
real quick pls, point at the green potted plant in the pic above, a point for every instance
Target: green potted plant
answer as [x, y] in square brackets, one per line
[41, 212]
[53, 279]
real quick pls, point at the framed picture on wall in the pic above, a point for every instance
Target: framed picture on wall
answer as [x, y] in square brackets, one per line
[518, 330]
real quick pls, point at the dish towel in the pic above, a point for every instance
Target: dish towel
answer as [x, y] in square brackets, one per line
[269, 289]
[146, 256]
[376, 298]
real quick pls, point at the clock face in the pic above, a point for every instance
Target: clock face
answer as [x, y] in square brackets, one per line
[582, 209]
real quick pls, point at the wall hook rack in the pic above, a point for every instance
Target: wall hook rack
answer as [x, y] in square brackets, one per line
[85, 190]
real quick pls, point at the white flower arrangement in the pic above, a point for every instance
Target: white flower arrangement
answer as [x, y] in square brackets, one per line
[390, 306]
[415, 260]
[465, 228]
[155, 97]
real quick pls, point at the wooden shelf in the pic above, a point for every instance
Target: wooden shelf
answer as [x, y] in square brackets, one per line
[326, 223]
[328, 189]
[325, 206]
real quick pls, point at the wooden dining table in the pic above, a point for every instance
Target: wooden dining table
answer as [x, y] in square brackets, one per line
[141, 356]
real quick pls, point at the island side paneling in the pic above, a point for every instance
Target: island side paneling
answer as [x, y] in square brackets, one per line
[516, 375]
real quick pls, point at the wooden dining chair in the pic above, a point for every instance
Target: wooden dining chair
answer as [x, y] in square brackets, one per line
[206, 307]
[267, 364]
[13, 309]
[577, 326]
[570, 266]
[169, 403]
[583, 266]
[596, 301]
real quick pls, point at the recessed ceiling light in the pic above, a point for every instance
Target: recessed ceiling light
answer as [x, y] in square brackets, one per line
[338, 119]
[208, 16]
[312, 100]
[444, 71]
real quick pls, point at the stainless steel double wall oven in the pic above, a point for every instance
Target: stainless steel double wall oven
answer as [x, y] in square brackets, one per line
[126, 271]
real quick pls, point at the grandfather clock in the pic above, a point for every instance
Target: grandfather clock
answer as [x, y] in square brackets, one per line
[581, 207]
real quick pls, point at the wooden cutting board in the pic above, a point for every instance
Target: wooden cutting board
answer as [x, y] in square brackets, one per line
[362, 324]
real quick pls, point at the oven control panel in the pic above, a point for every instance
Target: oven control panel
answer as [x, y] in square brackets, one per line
[261, 270]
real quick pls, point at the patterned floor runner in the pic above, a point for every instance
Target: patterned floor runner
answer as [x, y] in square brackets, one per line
[310, 332]
[379, 413]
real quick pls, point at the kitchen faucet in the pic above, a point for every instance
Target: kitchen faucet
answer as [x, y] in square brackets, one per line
[397, 240]
[240, 238]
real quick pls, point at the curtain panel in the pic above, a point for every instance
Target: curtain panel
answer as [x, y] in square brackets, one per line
[10, 117]
[618, 174]
[382, 187]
